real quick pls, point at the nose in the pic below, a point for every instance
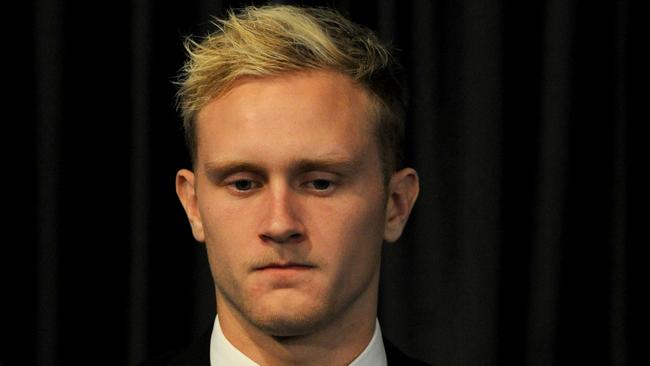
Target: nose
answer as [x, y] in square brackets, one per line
[281, 222]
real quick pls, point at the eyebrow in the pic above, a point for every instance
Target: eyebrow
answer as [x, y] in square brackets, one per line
[341, 166]
[221, 169]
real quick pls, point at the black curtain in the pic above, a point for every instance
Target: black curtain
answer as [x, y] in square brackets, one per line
[518, 251]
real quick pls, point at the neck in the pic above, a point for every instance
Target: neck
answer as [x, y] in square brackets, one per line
[337, 343]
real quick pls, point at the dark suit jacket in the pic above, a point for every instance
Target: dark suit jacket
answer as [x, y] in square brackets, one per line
[198, 354]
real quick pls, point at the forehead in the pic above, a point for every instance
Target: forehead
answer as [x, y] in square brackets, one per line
[302, 113]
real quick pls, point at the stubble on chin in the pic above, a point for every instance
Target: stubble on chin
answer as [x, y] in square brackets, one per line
[289, 320]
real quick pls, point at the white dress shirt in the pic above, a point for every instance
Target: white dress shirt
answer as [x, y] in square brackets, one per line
[222, 352]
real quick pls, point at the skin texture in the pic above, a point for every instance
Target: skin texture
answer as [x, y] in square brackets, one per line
[288, 197]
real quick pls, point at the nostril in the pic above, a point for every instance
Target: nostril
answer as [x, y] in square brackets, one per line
[293, 237]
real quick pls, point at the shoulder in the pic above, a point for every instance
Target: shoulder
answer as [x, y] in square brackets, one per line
[197, 354]
[395, 356]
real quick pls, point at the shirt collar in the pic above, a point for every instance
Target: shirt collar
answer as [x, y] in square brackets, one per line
[222, 352]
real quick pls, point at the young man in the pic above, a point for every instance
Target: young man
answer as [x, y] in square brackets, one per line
[294, 119]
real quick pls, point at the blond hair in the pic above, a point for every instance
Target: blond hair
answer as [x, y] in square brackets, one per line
[276, 39]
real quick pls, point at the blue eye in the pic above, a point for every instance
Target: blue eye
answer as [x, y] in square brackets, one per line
[321, 184]
[243, 184]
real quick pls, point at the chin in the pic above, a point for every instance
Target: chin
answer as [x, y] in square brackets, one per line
[294, 325]
[289, 318]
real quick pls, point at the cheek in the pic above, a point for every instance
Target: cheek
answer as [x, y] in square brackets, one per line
[224, 218]
[228, 233]
[351, 231]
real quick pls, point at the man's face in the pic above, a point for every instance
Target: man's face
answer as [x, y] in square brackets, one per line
[289, 200]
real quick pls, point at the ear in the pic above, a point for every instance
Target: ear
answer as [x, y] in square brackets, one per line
[186, 191]
[403, 190]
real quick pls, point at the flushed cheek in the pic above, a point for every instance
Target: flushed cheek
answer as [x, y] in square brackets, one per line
[351, 241]
[360, 246]
[228, 224]
[229, 241]
[356, 220]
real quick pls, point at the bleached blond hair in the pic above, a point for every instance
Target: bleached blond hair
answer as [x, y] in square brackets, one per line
[276, 39]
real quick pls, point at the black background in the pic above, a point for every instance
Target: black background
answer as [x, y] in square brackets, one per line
[520, 247]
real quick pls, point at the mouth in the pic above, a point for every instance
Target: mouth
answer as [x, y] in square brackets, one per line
[282, 275]
[285, 266]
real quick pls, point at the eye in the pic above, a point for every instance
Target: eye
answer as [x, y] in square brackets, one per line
[321, 184]
[243, 184]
